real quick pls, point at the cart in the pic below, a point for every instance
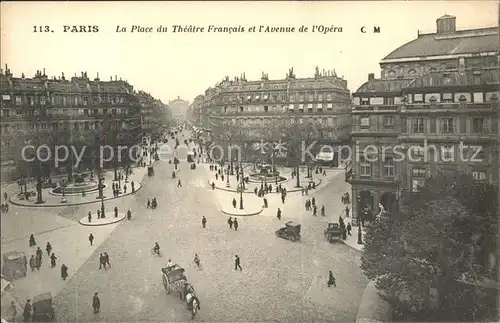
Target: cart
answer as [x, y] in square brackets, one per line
[333, 232]
[174, 278]
[291, 231]
[151, 171]
[43, 309]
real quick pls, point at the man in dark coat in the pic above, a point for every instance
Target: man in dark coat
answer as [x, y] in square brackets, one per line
[230, 222]
[27, 311]
[48, 248]
[235, 224]
[91, 238]
[204, 222]
[237, 263]
[106, 260]
[96, 303]
[278, 214]
[64, 271]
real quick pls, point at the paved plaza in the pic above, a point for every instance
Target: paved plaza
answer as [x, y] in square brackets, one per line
[280, 281]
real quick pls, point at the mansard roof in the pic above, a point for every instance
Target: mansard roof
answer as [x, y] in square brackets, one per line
[459, 42]
[455, 77]
[383, 86]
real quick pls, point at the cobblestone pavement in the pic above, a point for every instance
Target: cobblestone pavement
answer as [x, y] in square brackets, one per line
[280, 281]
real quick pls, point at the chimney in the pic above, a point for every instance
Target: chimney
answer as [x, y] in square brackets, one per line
[371, 77]
[44, 72]
[446, 24]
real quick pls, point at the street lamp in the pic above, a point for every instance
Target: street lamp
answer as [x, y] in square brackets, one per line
[227, 183]
[241, 190]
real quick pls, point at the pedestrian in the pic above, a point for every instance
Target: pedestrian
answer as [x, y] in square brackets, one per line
[125, 189]
[133, 187]
[5, 196]
[179, 184]
[234, 202]
[102, 262]
[349, 228]
[32, 263]
[278, 215]
[216, 176]
[323, 210]
[265, 203]
[213, 186]
[13, 311]
[39, 253]
[346, 211]
[324, 172]
[53, 260]
[315, 210]
[116, 212]
[255, 190]
[237, 263]
[331, 280]
[98, 214]
[283, 198]
[27, 311]
[302, 191]
[230, 222]
[90, 217]
[32, 241]
[235, 224]
[91, 238]
[313, 201]
[129, 215]
[106, 259]
[48, 248]
[306, 206]
[149, 204]
[64, 272]
[96, 303]
[25, 263]
[204, 222]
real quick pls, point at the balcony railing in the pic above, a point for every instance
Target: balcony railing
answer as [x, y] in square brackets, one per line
[451, 105]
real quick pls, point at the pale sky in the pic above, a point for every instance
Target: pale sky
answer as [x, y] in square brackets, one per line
[169, 64]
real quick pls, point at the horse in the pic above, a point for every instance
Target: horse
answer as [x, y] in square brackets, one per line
[192, 302]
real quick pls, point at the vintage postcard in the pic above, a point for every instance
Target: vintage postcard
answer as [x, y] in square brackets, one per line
[250, 161]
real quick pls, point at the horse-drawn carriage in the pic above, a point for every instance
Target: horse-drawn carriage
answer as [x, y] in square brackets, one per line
[333, 232]
[291, 231]
[174, 279]
[43, 308]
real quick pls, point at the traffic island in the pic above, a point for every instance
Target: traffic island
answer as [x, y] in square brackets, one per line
[109, 219]
[250, 210]
[71, 200]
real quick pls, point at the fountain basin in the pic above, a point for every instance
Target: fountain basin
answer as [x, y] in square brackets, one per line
[77, 188]
[270, 178]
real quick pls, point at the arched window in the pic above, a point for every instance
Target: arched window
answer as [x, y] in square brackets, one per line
[392, 74]
[412, 72]
[462, 98]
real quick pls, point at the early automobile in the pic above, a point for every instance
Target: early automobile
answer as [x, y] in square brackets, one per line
[43, 309]
[291, 231]
[333, 232]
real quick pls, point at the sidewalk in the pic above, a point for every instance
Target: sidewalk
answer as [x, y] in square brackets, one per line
[70, 245]
[137, 176]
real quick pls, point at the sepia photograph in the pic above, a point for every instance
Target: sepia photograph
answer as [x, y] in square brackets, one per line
[250, 161]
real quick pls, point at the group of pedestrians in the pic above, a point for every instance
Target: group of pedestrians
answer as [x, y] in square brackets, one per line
[35, 261]
[5, 207]
[152, 204]
[104, 261]
[233, 223]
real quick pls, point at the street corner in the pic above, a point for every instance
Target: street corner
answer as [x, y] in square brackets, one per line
[112, 218]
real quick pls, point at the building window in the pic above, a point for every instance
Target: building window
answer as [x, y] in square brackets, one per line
[75, 126]
[447, 125]
[6, 113]
[447, 98]
[493, 97]
[418, 98]
[447, 152]
[388, 101]
[365, 122]
[389, 167]
[311, 97]
[389, 121]
[462, 98]
[432, 99]
[412, 72]
[418, 178]
[479, 175]
[365, 101]
[19, 112]
[87, 125]
[391, 74]
[301, 97]
[63, 100]
[266, 108]
[18, 100]
[418, 125]
[32, 100]
[417, 152]
[44, 126]
[320, 97]
[328, 96]
[366, 167]
[477, 125]
[113, 112]
[319, 107]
